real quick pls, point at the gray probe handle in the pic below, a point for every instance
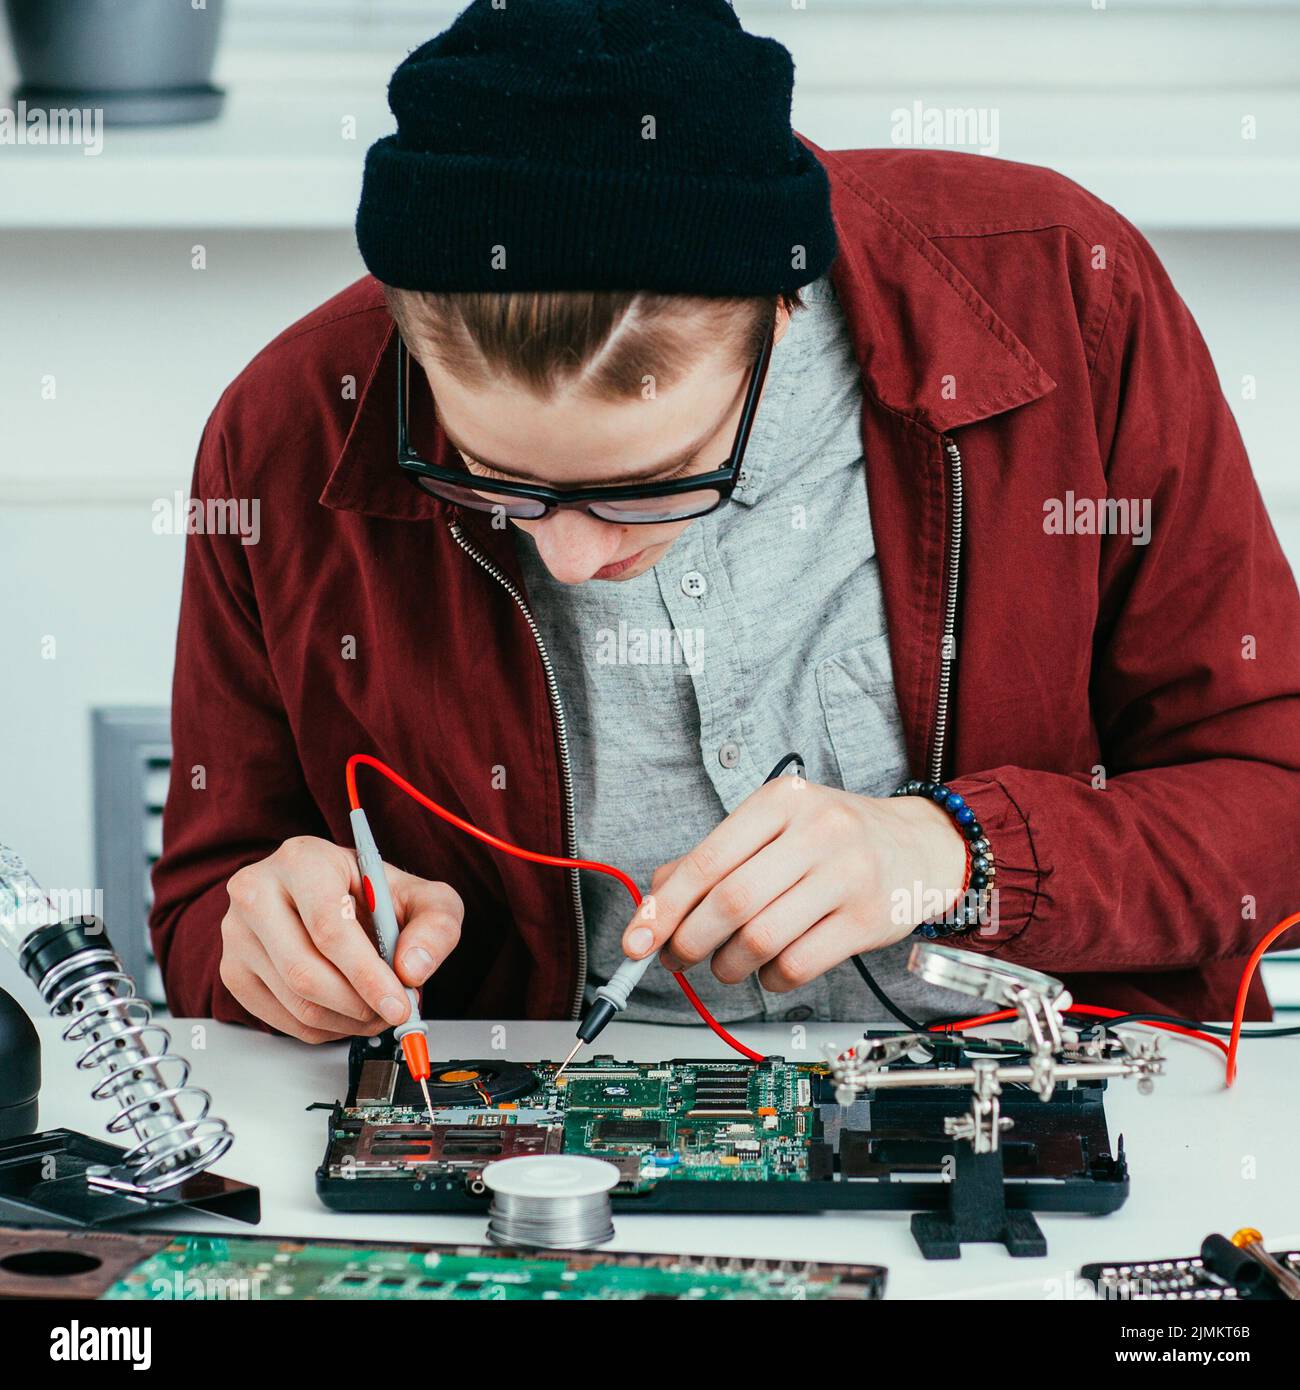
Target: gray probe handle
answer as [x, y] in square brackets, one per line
[383, 913]
[617, 990]
[611, 997]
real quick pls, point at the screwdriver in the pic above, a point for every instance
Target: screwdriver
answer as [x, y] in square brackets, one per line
[411, 1034]
[1283, 1279]
[611, 998]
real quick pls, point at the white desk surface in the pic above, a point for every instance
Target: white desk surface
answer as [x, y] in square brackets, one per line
[1202, 1158]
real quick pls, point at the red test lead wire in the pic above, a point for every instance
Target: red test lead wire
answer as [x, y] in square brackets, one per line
[1229, 1049]
[554, 861]
[560, 862]
[1090, 1010]
[1239, 1012]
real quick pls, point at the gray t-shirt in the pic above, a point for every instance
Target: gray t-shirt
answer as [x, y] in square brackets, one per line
[761, 632]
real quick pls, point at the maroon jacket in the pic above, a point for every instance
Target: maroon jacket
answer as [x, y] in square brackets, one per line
[992, 304]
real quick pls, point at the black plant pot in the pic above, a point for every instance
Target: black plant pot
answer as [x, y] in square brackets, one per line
[142, 62]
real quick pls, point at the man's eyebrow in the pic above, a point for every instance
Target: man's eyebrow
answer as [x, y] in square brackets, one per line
[678, 460]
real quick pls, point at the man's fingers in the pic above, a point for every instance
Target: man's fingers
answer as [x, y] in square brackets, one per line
[253, 994]
[325, 888]
[431, 915]
[730, 905]
[661, 874]
[343, 941]
[307, 1009]
[295, 928]
[754, 823]
[833, 940]
[769, 932]
[640, 937]
[280, 929]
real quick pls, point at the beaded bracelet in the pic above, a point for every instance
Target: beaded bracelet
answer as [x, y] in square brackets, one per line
[977, 885]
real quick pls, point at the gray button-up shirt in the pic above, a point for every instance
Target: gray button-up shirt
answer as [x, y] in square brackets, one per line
[761, 632]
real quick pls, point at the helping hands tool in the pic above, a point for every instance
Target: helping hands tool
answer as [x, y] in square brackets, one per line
[411, 1034]
[1286, 1283]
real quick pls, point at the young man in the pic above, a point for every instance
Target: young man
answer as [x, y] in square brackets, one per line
[925, 474]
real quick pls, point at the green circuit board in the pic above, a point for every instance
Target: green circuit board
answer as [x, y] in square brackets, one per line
[663, 1122]
[196, 1268]
[695, 1134]
[692, 1123]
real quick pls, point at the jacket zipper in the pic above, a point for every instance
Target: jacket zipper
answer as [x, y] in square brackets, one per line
[948, 652]
[562, 739]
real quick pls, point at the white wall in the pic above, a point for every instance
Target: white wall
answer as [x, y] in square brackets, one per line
[141, 348]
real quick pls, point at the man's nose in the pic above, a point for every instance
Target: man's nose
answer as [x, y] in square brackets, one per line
[574, 545]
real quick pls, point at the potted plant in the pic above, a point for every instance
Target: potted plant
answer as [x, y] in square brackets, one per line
[142, 62]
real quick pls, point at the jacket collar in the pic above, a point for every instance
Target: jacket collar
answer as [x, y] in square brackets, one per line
[916, 322]
[365, 477]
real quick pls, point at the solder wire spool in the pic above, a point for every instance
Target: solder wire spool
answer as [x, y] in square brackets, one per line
[550, 1201]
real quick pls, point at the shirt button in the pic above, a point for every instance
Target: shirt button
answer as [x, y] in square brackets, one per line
[798, 1013]
[694, 584]
[729, 754]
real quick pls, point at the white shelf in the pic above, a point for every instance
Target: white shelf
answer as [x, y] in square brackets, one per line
[274, 159]
[277, 158]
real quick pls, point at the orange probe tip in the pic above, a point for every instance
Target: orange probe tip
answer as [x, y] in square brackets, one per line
[415, 1048]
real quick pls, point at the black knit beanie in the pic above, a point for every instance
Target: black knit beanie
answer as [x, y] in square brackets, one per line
[595, 145]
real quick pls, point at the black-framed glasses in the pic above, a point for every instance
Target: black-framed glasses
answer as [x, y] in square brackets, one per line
[630, 504]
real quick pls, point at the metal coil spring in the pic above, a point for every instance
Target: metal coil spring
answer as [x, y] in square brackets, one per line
[176, 1136]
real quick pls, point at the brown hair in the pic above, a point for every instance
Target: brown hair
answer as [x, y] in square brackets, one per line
[602, 343]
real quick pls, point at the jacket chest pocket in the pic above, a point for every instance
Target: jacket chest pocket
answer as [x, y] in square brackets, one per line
[856, 688]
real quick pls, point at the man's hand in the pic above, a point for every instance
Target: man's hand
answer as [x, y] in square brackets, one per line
[797, 879]
[295, 952]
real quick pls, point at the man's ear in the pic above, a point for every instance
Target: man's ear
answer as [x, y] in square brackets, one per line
[782, 321]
